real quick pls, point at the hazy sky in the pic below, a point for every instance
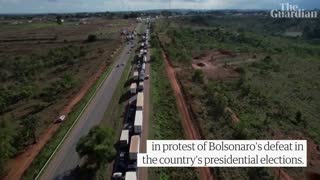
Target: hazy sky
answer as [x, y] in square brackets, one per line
[44, 6]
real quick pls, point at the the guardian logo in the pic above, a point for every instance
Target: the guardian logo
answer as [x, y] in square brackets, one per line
[292, 11]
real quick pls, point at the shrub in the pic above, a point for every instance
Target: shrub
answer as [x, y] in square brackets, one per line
[91, 38]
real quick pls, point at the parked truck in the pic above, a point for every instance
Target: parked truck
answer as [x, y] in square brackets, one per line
[133, 88]
[124, 138]
[134, 147]
[136, 75]
[141, 86]
[131, 175]
[139, 105]
[138, 122]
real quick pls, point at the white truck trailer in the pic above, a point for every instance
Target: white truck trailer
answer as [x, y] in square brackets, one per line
[131, 175]
[138, 121]
[124, 138]
[133, 88]
[139, 105]
[134, 147]
[136, 75]
[143, 67]
[145, 59]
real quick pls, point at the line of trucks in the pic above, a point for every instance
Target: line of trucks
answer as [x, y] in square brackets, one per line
[129, 143]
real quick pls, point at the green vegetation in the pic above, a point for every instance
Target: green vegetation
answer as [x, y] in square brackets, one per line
[49, 148]
[97, 146]
[165, 117]
[92, 38]
[6, 140]
[25, 81]
[276, 94]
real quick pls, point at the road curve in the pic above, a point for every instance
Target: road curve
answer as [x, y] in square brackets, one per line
[66, 159]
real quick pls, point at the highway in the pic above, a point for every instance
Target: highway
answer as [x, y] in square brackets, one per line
[143, 172]
[66, 159]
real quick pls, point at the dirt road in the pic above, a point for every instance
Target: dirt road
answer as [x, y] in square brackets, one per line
[190, 130]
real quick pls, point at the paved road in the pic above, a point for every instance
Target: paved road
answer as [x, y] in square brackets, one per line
[66, 159]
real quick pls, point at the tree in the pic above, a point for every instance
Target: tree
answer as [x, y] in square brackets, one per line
[198, 76]
[29, 127]
[91, 38]
[59, 20]
[7, 150]
[300, 120]
[97, 146]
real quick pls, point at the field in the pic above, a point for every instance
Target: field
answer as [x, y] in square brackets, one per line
[245, 78]
[165, 119]
[45, 69]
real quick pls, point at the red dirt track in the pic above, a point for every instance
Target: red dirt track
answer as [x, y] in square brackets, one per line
[189, 129]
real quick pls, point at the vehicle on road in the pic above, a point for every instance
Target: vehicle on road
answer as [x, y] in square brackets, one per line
[60, 119]
[117, 176]
[131, 175]
[134, 147]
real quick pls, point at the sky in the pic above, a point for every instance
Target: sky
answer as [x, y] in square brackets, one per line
[63, 6]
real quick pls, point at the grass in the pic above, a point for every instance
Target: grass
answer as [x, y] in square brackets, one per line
[50, 147]
[269, 93]
[165, 120]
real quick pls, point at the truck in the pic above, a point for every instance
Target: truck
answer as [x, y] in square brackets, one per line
[141, 75]
[138, 121]
[141, 86]
[133, 88]
[134, 147]
[124, 138]
[143, 68]
[131, 175]
[145, 59]
[139, 105]
[136, 75]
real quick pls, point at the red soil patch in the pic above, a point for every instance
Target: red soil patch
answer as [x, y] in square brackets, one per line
[207, 62]
[190, 130]
[21, 163]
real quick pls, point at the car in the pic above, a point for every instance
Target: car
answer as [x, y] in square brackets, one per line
[118, 65]
[117, 175]
[60, 119]
[122, 64]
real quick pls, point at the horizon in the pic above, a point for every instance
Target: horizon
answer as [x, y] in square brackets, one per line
[95, 6]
